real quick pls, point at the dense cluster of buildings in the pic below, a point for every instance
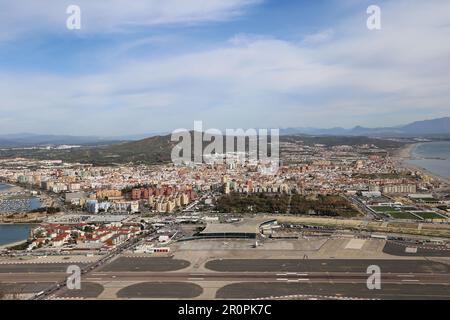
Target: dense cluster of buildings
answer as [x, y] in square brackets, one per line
[82, 236]
[109, 189]
[304, 169]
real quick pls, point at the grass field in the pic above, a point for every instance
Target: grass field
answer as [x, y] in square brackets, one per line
[404, 214]
[428, 215]
[401, 215]
[382, 209]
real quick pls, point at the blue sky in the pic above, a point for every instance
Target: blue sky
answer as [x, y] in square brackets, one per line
[153, 65]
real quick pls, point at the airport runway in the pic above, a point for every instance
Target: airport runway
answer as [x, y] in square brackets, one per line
[427, 278]
[145, 264]
[326, 265]
[36, 267]
[344, 277]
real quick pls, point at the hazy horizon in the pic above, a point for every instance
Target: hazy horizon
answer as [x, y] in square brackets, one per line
[150, 132]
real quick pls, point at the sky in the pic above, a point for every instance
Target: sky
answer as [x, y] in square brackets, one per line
[157, 65]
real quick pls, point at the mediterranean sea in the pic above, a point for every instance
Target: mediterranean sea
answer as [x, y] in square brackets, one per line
[10, 233]
[433, 156]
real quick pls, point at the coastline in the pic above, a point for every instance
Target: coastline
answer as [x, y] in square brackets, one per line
[11, 188]
[12, 244]
[406, 153]
[20, 239]
[44, 198]
[24, 217]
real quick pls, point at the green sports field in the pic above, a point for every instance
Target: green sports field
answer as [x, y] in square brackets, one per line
[382, 209]
[429, 215]
[401, 215]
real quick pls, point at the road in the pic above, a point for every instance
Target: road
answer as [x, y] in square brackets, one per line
[60, 285]
[370, 214]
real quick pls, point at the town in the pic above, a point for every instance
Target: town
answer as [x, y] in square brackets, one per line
[317, 180]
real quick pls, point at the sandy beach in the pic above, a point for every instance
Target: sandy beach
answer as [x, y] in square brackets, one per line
[404, 154]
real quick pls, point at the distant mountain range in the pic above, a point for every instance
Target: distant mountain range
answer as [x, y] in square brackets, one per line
[22, 140]
[432, 127]
[426, 128]
[31, 140]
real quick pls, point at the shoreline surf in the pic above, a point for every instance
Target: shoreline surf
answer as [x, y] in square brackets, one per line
[407, 153]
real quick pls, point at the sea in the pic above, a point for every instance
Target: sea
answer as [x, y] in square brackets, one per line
[433, 156]
[10, 233]
[4, 187]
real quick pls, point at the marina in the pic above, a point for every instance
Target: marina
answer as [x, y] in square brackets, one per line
[16, 200]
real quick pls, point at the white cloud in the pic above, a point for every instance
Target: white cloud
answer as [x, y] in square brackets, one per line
[398, 74]
[320, 37]
[49, 16]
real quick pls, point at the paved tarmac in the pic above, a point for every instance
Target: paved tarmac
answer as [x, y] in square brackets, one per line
[337, 290]
[88, 290]
[168, 290]
[145, 264]
[35, 267]
[326, 265]
[399, 249]
[403, 278]
[24, 287]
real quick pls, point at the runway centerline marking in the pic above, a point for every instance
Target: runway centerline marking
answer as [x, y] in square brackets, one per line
[410, 280]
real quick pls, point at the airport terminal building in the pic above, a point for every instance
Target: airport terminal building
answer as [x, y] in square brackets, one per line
[244, 229]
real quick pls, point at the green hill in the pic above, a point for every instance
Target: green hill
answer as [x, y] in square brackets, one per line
[158, 149]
